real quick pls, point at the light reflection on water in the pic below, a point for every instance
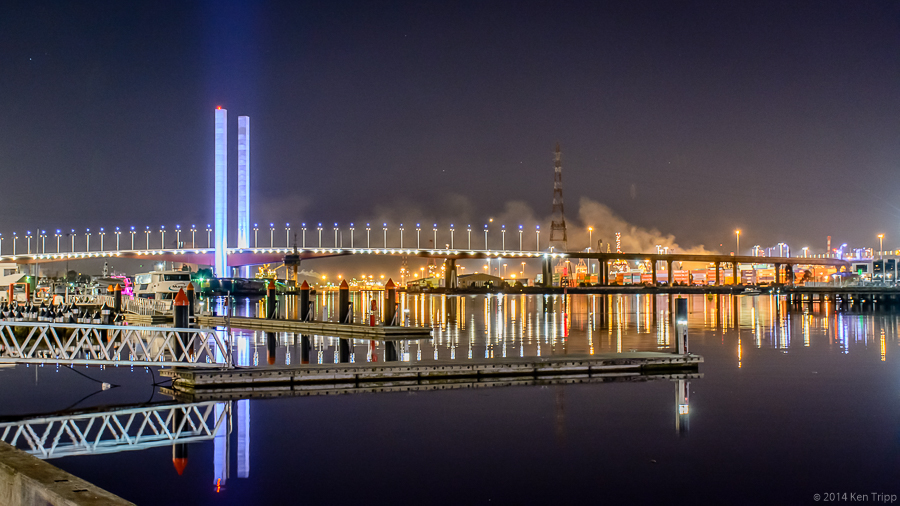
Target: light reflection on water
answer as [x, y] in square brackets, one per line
[499, 326]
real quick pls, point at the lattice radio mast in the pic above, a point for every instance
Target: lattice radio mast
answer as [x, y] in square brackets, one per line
[558, 238]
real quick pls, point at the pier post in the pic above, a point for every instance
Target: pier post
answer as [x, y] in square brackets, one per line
[390, 303]
[681, 327]
[718, 264]
[344, 303]
[181, 318]
[304, 349]
[190, 297]
[270, 300]
[270, 347]
[344, 351]
[179, 450]
[390, 351]
[117, 298]
[304, 302]
[683, 401]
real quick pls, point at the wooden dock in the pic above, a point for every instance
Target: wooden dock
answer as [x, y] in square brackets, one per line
[325, 377]
[332, 329]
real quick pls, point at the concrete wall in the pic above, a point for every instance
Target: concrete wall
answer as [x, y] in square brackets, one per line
[26, 481]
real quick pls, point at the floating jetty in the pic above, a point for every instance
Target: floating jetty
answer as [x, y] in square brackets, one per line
[336, 378]
[343, 330]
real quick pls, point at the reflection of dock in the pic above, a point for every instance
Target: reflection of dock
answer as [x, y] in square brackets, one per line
[317, 389]
[381, 376]
[343, 330]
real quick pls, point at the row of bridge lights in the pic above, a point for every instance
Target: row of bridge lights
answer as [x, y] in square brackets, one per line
[42, 236]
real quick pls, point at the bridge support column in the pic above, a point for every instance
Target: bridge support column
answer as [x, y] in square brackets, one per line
[735, 271]
[777, 274]
[718, 264]
[605, 265]
[546, 272]
[450, 279]
[653, 270]
[789, 275]
[671, 273]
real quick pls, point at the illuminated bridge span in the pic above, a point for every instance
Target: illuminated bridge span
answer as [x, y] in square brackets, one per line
[104, 431]
[238, 257]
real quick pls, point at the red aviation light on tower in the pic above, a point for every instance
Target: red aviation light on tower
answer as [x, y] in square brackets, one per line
[218, 107]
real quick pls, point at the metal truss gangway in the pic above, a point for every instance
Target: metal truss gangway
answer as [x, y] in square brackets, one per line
[112, 431]
[88, 344]
[133, 305]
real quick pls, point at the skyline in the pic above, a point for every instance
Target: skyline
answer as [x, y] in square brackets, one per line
[784, 130]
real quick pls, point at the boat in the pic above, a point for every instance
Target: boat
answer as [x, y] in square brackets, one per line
[751, 291]
[162, 285]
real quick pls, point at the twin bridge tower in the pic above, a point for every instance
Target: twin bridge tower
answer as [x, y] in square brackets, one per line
[220, 264]
[558, 235]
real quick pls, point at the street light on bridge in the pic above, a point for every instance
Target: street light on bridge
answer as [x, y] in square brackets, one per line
[102, 233]
[118, 233]
[320, 235]
[385, 235]
[351, 235]
[88, 241]
[256, 235]
[537, 237]
[737, 249]
[177, 236]
[287, 235]
[881, 247]
[503, 237]
[590, 239]
[28, 236]
[303, 228]
[147, 233]
[58, 235]
[335, 235]
[434, 243]
[14, 243]
[208, 235]
[469, 228]
[486, 238]
[520, 237]
[401, 236]
[451, 236]
[271, 235]
[418, 230]
[132, 238]
[162, 237]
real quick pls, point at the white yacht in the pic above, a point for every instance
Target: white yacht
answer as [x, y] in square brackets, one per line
[161, 285]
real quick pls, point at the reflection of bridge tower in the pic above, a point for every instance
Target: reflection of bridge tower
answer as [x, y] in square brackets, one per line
[558, 237]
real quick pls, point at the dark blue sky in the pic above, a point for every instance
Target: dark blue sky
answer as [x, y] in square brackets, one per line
[695, 118]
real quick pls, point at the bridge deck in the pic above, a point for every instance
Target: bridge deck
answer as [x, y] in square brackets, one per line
[329, 375]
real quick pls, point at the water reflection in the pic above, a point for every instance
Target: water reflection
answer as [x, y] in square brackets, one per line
[500, 326]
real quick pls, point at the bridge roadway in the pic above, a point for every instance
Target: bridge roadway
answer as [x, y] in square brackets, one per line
[238, 257]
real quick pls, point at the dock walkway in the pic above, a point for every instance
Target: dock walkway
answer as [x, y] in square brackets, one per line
[343, 330]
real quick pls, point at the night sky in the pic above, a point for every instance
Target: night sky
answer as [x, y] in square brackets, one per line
[691, 118]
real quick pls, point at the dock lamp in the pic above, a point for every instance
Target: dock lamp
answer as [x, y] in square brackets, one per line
[118, 233]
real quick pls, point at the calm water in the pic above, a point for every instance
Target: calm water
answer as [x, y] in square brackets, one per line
[791, 403]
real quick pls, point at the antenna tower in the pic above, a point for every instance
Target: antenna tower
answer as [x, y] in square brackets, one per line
[558, 237]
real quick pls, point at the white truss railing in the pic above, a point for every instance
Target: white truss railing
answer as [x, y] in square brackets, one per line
[136, 305]
[116, 431]
[71, 343]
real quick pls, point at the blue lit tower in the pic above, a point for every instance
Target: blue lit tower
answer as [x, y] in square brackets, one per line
[221, 210]
[243, 224]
